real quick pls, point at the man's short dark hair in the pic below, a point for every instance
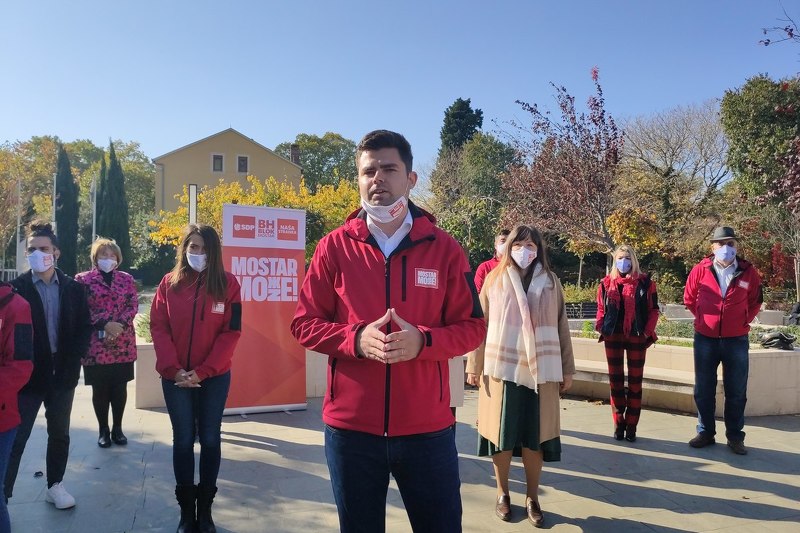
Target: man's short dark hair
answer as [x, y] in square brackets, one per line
[40, 228]
[379, 139]
[503, 233]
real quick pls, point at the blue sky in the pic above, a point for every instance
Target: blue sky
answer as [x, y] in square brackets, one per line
[166, 73]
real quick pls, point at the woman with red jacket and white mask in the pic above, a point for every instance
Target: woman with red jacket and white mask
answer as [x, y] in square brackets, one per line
[16, 365]
[627, 313]
[196, 321]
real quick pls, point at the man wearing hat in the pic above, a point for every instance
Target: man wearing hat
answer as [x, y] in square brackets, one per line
[723, 292]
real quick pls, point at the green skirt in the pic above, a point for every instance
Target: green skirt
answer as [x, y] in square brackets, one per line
[519, 426]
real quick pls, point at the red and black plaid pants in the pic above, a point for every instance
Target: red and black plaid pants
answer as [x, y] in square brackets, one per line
[626, 405]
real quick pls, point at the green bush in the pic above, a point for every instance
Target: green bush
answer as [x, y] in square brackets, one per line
[674, 328]
[141, 324]
[670, 288]
[574, 293]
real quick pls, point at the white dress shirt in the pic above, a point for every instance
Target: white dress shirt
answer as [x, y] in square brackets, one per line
[725, 275]
[389, 244]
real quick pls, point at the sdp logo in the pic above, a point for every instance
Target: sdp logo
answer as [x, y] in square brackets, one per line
[244, 227]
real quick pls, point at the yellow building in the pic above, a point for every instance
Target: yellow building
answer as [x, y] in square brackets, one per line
[227, 155]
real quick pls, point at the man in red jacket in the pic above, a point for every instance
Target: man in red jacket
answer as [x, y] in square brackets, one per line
[389, 298]
[724, 294]
[16, 352]
[487, 266]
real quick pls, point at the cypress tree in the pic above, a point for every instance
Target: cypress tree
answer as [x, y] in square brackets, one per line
[66, 213]
[100, 192]
[112, 218]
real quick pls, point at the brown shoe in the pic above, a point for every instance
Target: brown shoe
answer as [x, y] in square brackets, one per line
[535, 515]
[737, 446]
[503, 508]
[702, 440]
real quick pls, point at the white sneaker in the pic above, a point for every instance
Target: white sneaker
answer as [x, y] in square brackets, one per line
[59, 496]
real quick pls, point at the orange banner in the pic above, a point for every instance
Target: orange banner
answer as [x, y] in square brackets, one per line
[264, 248]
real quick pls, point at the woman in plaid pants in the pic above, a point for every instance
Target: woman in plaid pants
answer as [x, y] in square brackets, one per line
[627, 312]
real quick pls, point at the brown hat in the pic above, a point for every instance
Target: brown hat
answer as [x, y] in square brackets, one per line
[723, 233]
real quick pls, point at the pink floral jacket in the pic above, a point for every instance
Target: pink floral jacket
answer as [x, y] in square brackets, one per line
[115, 303]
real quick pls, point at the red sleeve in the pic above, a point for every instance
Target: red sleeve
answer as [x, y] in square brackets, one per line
[313, 324]
[654, 311]
[480, 276]
[755, 296]
[690, 292]
[601, 310]
[464, 327]
[16, 346]
[167, 363]
[225, 342]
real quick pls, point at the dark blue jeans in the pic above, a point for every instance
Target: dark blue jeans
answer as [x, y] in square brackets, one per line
[57, 411]
[197, 412]
[425, 467]
[733, 353]
[6, 441]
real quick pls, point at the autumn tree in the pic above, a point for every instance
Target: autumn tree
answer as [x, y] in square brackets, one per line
[326, 160]
[66, 207]
[566, 178]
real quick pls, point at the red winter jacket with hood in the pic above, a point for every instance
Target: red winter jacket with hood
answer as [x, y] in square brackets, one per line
[349, 284]
[16, 353]
[193, 331]
[715, 316]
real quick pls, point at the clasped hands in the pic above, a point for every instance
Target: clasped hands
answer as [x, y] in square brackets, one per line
[113, 330]
[186, 379]
[395, 347]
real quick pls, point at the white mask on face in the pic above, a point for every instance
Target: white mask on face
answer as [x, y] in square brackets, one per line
[40, 261]
[385, 213]
[523, 257]
[500, 249]
[197, 261]
[106, 265]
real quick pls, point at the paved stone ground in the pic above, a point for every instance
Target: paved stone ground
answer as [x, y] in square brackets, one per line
[274, 477]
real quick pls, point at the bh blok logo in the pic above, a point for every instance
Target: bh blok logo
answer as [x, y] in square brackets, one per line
[244, 227]
[266, 228]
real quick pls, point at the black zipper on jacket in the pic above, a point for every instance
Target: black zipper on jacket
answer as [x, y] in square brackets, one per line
[387, 396]
[333, 375]
[191, 329]
[403, 279]
[441, 381]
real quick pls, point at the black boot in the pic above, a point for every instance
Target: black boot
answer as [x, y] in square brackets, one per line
[104, 441]
[205, 497]
[186, 495]
[118, 437]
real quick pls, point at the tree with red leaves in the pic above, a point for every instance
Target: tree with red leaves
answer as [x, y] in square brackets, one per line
[566, 179]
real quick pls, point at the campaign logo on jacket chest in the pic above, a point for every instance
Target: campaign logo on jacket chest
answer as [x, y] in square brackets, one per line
[427, 278]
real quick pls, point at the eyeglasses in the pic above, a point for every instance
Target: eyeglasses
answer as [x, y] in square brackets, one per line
[726, 243]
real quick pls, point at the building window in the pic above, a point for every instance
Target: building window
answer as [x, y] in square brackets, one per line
[242, 164]
[217, 163]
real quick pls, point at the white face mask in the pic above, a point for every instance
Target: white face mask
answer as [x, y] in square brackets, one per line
[523, 257]
[500, 249]
[106, 265]
[385, 213]
[40, 261]
[197, 261]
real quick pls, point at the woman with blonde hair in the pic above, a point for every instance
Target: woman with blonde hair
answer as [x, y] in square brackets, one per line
[521, 368]
[108, 365]
[627, 313]
[196, 321]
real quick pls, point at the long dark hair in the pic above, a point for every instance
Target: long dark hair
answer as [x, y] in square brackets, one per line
[521, 233]
[216, 281]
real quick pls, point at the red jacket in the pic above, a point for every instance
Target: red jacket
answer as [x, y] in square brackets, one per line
[16, 353]
[191, 330]
[715, 316]
[350, 284]
[483, 270]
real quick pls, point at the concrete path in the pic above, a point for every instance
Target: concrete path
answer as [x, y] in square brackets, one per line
[274, 477]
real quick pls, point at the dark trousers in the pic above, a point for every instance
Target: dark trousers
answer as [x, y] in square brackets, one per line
[734, 355]
[425, 467]
[6, 441]
[57, 410]
[626, 406]
[197, 412]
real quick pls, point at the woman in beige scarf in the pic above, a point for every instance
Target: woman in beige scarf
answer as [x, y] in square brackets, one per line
[522, 366]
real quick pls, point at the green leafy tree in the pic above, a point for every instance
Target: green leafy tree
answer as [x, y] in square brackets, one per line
[66, 213]
[112, 220]
[461, 122]
[326, 160]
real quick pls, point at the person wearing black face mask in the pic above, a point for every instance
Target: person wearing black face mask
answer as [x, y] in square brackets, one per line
[627, 312]
[724, 294]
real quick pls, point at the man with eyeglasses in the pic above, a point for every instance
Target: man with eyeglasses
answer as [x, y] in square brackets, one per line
[724, 294]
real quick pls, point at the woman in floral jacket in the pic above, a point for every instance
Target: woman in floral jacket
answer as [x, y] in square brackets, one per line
[109, 364]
